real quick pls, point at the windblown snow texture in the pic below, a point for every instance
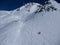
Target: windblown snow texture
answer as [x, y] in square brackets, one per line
[31, 24]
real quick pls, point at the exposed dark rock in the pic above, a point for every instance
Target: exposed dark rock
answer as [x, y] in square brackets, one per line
[39, 33]
[18, 9]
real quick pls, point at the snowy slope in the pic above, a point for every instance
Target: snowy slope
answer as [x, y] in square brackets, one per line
[31, 24]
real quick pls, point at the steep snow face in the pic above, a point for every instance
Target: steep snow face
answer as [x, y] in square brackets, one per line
[11, 24]
[30, 24]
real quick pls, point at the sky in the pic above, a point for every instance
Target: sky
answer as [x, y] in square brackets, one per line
[13, 4]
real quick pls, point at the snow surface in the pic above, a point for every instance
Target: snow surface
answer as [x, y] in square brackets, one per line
[22, 27]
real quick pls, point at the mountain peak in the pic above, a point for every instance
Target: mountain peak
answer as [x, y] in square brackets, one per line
[48, 6]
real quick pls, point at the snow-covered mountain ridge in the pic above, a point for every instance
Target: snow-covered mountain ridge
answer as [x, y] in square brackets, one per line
[49, 6]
